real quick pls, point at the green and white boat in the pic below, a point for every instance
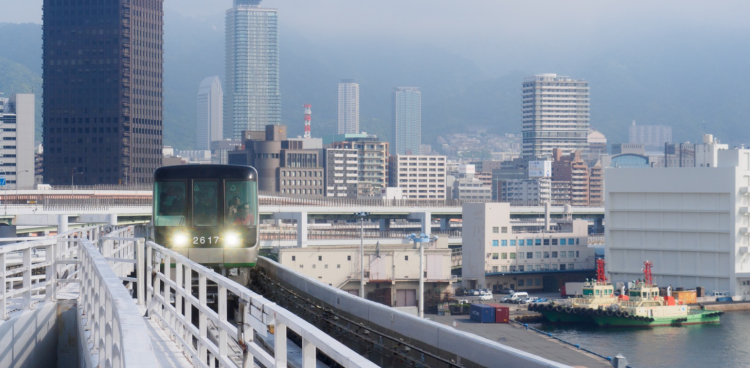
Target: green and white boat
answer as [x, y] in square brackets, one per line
[642, 307]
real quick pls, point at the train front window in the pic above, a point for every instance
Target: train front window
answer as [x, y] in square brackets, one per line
[205, 203]
[171, 207]
[242, 208]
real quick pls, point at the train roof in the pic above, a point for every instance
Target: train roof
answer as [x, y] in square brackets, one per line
[227, 172]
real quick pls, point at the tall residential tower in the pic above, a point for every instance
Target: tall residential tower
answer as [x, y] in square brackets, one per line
[407, 121]
[210, 119]
[348, 107]
[103, 91]
[555, 115]
[252, 97]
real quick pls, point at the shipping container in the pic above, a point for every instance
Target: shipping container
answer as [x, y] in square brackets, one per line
[483, 313]
[502, 313]
[686, 297]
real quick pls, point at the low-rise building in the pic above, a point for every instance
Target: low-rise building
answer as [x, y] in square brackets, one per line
[471, 189]
[372, 158]
[391, 271]
[497, 254]
[420, 177]
[525, 192]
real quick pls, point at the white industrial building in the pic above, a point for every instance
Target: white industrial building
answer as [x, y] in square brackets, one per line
[691, 222]
[391, 271]
[498, 253]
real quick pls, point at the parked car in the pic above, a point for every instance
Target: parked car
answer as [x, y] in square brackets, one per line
[531, 299]
[541, 300]
[506, 291]
[475, 292]
[485, 292]
[486, 297]
[516, 297]
[462, 301]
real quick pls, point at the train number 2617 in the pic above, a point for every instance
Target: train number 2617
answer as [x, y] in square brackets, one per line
[204, 240]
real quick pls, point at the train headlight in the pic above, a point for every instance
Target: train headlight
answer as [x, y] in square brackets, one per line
[231, 240]
[180, 240]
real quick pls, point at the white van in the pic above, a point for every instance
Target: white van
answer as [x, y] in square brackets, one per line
[516, 297]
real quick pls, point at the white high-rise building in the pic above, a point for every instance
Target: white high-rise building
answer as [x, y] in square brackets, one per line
[210, 119]
[253, 99]
[348, 107]
[17, 119]
[420, 177]
[555, 115]
[653, 137]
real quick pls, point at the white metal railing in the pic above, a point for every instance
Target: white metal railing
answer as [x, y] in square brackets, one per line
[232, 346]
[119, 334]
[106, 308]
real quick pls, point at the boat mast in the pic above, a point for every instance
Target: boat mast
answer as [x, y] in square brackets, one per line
[647, 277]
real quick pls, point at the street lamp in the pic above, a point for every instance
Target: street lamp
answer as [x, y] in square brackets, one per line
[421, 239]
[362, 216]
[73, 175]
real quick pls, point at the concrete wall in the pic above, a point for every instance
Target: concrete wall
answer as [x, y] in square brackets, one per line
[29, 338]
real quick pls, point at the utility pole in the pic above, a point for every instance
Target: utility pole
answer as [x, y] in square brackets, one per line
[421, 239]
[362, 216]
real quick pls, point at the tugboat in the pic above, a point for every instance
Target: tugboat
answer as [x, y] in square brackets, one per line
[643, 307]
[597, 295]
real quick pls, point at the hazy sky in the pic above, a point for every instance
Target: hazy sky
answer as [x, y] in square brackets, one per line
[486, 31]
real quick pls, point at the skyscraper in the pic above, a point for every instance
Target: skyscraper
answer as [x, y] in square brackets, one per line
[348, 107]
[555, 115]
[407, 121]
[103, 91]
[252, 98]
[210, 117]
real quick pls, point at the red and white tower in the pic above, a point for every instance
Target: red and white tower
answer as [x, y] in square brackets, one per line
[308, 120]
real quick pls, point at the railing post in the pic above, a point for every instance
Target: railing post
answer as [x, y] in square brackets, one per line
[50, 293]
[308, 354]
[202, 319]
[222, 318]
[27, 278]
[188, 335]
[3, 301]
[149, 263]
[178, 297]
[280, 344]
[140, 269]
[166, 295]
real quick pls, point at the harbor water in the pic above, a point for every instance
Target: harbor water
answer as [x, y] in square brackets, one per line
[711, 345]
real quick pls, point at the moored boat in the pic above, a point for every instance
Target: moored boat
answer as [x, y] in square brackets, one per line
[641, 307]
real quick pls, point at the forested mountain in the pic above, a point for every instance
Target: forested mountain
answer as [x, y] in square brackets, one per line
[699, 78]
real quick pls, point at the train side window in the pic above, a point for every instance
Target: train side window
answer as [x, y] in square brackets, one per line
[170, 203]
[205, 203]
[242, 208]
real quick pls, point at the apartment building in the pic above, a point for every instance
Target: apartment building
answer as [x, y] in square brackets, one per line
[555, 115]
[342, 172]
[571, 168]
[420, 177]
[525, 192]
[471, 189]
[372, 157]
[500, 254]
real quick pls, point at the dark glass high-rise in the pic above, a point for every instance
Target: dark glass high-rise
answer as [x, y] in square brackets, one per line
[103, 91]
